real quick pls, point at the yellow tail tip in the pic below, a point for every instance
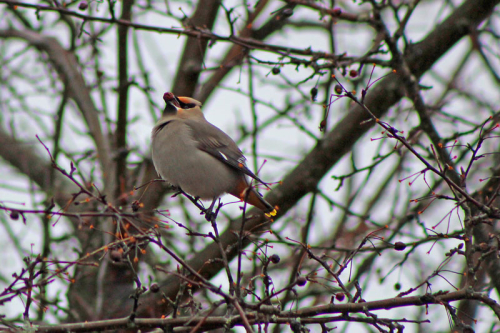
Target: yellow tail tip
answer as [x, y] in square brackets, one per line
[273, 213]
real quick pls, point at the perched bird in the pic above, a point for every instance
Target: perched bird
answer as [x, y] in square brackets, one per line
[200, 159]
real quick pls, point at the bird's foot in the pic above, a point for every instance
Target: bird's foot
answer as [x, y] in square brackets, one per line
[210, 215]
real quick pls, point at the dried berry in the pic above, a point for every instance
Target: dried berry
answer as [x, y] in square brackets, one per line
[399, 246]
[135, 205]
[301, 281]
[353, 73]
[339, 297]
[322, 125]
[14, 215]
[295, 326]
[397, 286]
[338, 89]
[274, 258]
[154, 288]
[83, 5]
[314, 93]
[276, 70]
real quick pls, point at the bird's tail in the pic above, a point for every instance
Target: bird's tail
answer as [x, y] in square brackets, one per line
[244, 192]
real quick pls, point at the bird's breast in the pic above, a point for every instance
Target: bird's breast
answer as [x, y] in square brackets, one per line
[178, 160]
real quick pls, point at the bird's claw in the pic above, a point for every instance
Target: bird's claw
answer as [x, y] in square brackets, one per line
[210, 216]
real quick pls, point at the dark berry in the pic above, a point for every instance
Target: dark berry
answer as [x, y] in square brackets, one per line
[83, 5]
[154, 288]
[274, 258]
[399, 246]
[301, 281]
[338, 89]
[14, 215]
[314, 93]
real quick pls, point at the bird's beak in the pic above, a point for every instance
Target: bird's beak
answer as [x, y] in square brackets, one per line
[170, 98]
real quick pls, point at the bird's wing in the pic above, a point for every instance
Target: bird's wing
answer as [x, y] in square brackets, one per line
[215, 142]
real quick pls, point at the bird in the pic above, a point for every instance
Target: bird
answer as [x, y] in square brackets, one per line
[199, 158]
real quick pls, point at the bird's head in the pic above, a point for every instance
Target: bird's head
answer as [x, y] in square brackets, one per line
[184, 107]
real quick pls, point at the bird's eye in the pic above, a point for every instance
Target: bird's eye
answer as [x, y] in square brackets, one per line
[188, 106]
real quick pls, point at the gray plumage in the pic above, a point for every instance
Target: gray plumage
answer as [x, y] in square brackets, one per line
[191, 153]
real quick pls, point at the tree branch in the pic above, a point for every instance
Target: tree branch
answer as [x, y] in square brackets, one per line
[305, 177]
[67, 66]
